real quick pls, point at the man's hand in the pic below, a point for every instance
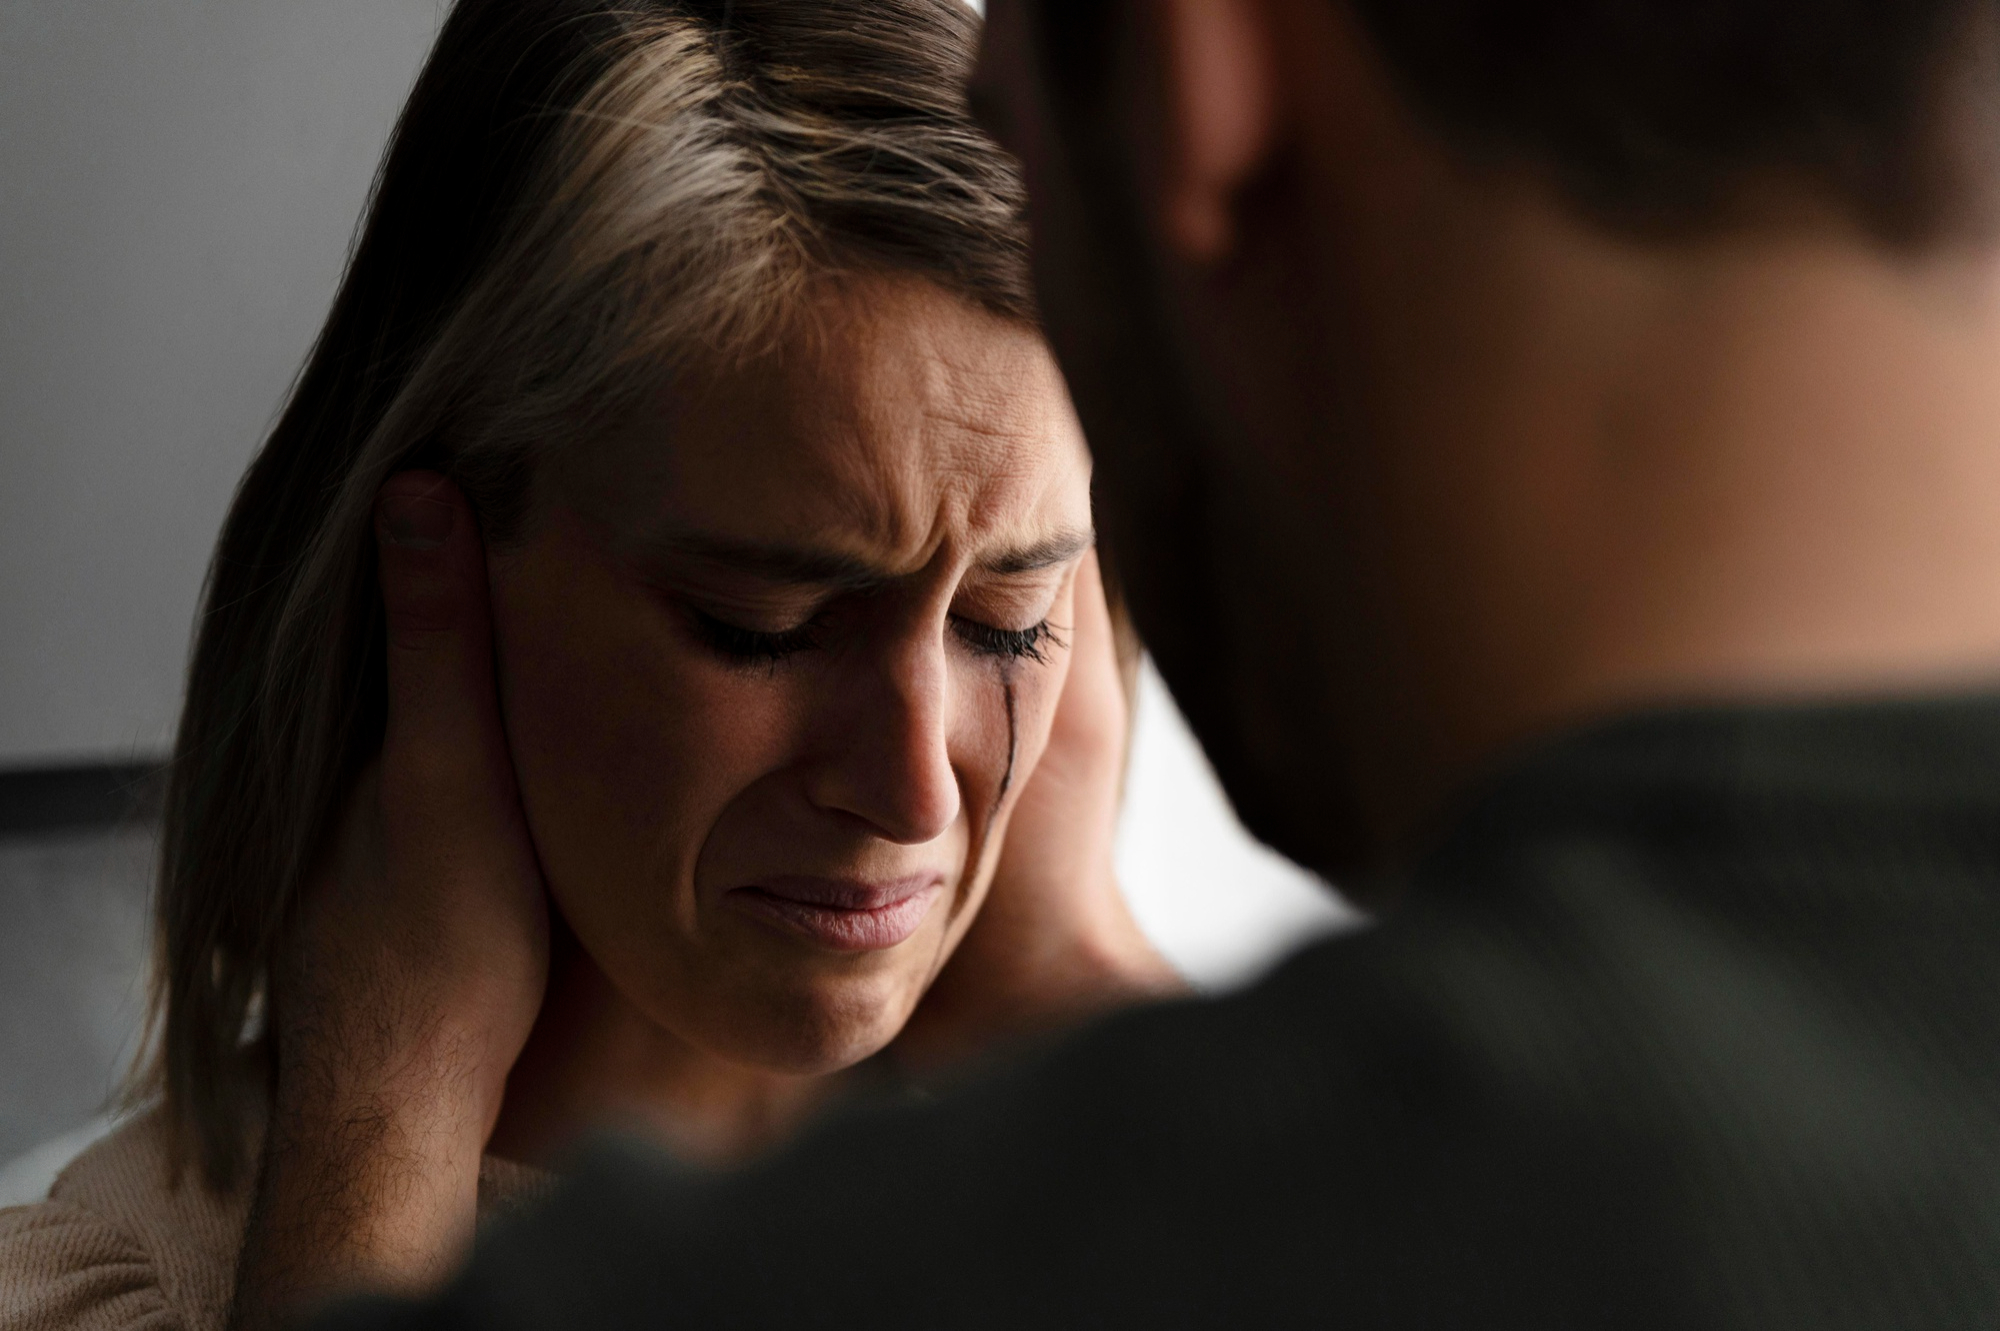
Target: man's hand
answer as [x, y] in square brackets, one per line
[419, 959]
[1055, 940]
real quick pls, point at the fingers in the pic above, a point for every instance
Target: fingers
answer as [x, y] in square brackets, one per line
[444, 754]
[1091, 715]
[430, 556]
[433, 573]
[1094, 638]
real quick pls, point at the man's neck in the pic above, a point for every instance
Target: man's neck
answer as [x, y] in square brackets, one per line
[1761, 466]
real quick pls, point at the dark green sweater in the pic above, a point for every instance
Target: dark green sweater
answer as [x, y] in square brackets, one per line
[1691, 1021]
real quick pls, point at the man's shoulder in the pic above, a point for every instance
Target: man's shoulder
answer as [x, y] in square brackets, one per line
[1262, 1147]
[1694, 1022]
[1470, 1115]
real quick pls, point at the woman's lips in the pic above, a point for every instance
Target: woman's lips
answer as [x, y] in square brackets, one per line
[846, 915]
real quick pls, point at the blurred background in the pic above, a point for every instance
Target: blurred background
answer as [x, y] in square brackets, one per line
[179, 182]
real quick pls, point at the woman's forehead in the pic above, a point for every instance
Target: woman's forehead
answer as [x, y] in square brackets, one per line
[897, 422]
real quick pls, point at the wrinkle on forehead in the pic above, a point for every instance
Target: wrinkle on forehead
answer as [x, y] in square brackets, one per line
[898, 422]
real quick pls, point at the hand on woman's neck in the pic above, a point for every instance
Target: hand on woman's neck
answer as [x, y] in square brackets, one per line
[595, 1062]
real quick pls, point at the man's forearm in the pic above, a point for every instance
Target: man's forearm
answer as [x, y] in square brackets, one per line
[365, 1183]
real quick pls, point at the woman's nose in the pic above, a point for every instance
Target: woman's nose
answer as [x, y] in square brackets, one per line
[888, 762]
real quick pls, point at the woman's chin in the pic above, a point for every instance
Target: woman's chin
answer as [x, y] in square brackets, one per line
[811, 1030]
[769, 999]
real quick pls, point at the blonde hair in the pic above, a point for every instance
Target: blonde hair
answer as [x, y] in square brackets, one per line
[581, 201]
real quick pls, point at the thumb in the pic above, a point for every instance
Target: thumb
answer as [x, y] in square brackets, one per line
[444, 756]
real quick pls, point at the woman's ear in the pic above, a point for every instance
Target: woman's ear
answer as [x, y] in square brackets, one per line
[1217, 77]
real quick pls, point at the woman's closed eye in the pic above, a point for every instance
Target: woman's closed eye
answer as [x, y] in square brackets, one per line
[737, 643]
[1030, 644]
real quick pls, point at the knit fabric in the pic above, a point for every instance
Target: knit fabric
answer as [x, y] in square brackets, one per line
[121, 1244]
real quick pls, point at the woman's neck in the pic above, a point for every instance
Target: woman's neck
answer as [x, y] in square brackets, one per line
[594, 1062]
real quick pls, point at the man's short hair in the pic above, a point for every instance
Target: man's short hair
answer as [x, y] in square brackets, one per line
[1675, 114]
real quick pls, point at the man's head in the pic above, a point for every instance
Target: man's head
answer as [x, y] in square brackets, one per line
[1664, 115]
[1398, 329]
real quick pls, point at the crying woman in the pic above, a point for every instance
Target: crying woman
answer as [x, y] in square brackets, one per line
[680, 484]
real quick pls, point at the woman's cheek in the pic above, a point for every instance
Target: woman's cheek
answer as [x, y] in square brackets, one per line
[1038, 687]
[1024, 696]
[628, 745]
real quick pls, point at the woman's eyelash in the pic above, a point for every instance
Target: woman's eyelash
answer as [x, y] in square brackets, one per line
[1030, 644]
[747, 645]
[741, 644]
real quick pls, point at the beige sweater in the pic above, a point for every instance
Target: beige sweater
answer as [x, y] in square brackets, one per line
[120, 1246]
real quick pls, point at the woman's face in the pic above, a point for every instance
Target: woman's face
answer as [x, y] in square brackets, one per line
[776, 660]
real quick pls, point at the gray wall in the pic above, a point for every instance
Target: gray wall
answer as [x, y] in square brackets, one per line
[72, 978]
[179, 180]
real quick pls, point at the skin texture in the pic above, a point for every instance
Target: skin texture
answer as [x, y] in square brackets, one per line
[1410, 465]
[927, 445]
[905, 478]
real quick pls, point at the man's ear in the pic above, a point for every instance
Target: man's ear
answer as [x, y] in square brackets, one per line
[1218, 79]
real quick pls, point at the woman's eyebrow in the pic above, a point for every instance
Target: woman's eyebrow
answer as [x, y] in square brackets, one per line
[806, 566]
[1047, 553]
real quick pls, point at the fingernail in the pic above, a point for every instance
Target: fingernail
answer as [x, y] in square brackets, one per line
[414, 522]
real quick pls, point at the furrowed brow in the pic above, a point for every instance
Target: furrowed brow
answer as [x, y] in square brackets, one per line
[773, 562]
[1057, 549]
